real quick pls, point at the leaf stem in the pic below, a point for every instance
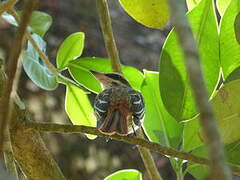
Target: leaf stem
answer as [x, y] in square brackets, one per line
[218, 167]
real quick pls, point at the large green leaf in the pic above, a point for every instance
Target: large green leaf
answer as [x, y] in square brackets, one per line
[200, 172]
[174, 86]
[35, 68]
[222, 6]
[78, 70]
[79, 108]
[227, 113]
[229, 32]
[192, 4]
[70, 49]
[39, 22]
[126, 174]
[158, 124]
[151, 13]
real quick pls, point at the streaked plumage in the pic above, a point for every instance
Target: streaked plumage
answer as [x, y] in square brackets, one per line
[118, 107]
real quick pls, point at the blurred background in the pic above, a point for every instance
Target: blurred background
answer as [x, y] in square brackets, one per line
[78, 157]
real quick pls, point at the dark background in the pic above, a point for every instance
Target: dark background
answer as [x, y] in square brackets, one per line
[78, 157]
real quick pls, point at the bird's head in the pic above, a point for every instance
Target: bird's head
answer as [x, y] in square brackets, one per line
[110, 80]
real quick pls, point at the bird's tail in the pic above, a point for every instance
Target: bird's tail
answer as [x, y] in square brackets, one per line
[115, 123]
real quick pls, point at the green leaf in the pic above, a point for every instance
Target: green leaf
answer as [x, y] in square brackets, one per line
[227, 111]
[151, 13]
[158, 124]
[229, 46]
[127, 174]
[39, 22]
[9, 18]
[85, 78]
[227, 117]
[191, 135]
[222, 6]
[79, 108]
[200, 172]
[233, 76]
[35, 68]
[192, 4]
[71, 48]
[79, 66]
[174, 86]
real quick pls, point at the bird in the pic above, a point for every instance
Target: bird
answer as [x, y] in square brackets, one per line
[119, 108]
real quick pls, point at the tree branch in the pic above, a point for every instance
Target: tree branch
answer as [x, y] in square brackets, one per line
[9, 89]
[7, 5]
[105, 22]
[218, 167]
[62, 128]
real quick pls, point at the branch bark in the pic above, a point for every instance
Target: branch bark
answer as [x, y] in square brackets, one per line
[7, 5]
[30, 151]
[62, 128]
[105, 22]
[218, 167]
[10, 87]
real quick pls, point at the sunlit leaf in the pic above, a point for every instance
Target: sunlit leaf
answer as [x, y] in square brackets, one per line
[151, 13]
[174, 86]
[227, 117]
[79, 108]
[79, 66]
[192, 4]
[70, 49]
[200, 172]
[35, 68]
[39, 22]
[229, 34]
[127, 174]
[222, 6]
[158, 124]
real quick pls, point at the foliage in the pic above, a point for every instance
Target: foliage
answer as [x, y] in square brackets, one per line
[171, 116]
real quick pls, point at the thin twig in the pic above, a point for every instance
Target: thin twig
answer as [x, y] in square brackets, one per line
[218, 167]
[148, 159]
[64, 128]
[7, 5]
[105, 22]
[44, 58]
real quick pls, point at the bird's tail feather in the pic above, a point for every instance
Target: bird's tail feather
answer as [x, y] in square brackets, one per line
[114, 123]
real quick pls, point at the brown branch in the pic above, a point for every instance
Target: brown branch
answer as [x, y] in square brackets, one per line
[148, 159]
[218, 167]
[6, 105]
[28, 148]
[30, 151]
[8, 155]
[7, 5]
[63, 128]
[105, 22]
